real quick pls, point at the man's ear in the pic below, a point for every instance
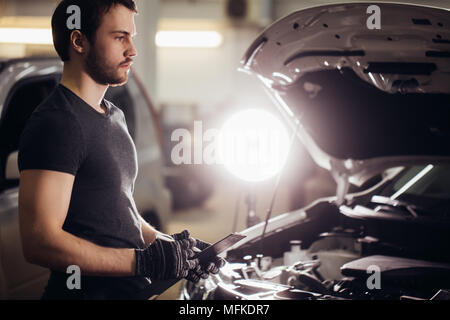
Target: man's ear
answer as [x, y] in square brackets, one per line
[78, 41]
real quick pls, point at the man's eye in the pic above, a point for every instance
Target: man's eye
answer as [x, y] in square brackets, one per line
[120, 38]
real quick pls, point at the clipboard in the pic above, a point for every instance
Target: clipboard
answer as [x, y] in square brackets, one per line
[213, 250]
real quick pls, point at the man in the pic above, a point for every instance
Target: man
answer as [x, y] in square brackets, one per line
[78, 166]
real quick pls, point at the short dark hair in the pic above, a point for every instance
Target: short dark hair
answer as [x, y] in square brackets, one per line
[92, 12]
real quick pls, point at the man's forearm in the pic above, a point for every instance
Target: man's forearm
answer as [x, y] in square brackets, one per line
[65, 249]
[92, 259]
[148, 232]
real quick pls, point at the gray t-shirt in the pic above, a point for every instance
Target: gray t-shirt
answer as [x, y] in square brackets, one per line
[65, 134]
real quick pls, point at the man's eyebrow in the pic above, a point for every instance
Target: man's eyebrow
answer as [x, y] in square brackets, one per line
[124, 33]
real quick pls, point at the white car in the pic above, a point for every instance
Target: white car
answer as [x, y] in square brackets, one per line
[372, 106]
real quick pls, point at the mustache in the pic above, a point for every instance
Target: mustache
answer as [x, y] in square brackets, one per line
[127, 62]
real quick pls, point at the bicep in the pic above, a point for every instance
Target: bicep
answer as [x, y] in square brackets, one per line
[44, 198]
[51, 141]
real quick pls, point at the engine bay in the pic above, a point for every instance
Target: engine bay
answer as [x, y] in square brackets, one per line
[353, 260]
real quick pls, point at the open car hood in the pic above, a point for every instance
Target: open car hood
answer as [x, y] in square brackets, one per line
[362, 100]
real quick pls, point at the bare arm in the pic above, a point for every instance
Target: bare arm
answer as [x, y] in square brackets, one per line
[148, 232]
[44, 198]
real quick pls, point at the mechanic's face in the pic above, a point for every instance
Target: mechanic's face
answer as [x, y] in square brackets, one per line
[109, 58]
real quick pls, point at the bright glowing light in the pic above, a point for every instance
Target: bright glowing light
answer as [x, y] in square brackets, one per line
[189, 39]
[26, 35]
[253, 145]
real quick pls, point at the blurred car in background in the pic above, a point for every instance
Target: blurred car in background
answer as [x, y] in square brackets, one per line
[24, 84]
[373, 108]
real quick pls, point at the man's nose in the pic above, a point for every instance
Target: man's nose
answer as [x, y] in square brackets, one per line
[131, 52]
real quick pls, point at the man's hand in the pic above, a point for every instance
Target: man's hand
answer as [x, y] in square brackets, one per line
[200, 271]
[164, 260]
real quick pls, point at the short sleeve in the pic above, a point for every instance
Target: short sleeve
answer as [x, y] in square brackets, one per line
[51, 140]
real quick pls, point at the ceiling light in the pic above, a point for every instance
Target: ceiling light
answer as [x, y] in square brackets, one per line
[188, 39]
[26, 35]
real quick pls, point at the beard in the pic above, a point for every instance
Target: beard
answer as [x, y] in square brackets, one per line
[103, 72]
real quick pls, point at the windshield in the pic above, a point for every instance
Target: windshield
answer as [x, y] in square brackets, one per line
[431, 181]
[425, 187]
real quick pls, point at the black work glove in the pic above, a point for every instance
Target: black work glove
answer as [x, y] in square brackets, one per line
[164, 260]
[200, 271]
